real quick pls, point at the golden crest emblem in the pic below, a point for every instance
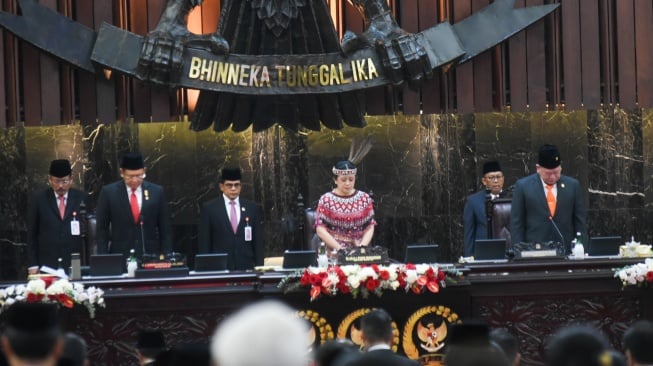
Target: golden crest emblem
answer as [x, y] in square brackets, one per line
[425, 334]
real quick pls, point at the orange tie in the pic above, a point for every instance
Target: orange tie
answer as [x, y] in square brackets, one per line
[550, 199]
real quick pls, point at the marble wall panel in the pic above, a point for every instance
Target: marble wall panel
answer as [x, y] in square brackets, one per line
[420, 170]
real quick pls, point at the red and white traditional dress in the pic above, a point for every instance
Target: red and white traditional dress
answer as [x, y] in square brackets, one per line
[345, 217]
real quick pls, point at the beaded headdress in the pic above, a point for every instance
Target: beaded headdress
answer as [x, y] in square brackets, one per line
[357, 151]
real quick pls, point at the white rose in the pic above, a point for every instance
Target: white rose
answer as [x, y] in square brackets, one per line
[353, 281]
[34, 287]
[394, 285]
[368, 272]
[411, 276]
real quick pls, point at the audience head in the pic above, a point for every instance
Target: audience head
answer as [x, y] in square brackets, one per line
[265, 333]
[74, 351]
[335, 352]
[32, 334]
[150, 343]
[376, 327]
[469, 345]
[638, 343]
[576, 345]
[508, 344]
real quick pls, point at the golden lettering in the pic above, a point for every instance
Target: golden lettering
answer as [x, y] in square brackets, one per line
[244, 75]
[361, 72]
[194, 70]
[312, 75]
[354, 74]
[206, 70]
[253, 77]
[342, 75]
[280, 69]
[265, 76]
[333, 75]
[324, 75]
[232, 77]
[371, 69]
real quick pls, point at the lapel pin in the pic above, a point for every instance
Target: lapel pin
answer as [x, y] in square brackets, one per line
[147, 194]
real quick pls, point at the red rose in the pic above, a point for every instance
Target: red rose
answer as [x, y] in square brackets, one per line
[375, 268]
[649, 276]
[372, 284]
[429, 273]
[306, 279]
[410, 266]
[441, 276]
[34, 297]
[416, 289]
[385, 275]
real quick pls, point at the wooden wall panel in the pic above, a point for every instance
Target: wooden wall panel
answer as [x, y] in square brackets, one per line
[430, 92]
[517, 70]
[50, 85]
[571, 53]
[590, 55]
[87, 93]
[536, 63]
[626, 53]
[644, 61]
[140, 92]
[409, 20]
[483, 66]
[105, 89]
[464, 74]
[587, 53]
[160, 97]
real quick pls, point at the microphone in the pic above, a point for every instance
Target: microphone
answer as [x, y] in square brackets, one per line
[142, 235]
[558, 231]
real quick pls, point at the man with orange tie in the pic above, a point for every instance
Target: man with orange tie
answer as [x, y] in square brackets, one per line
[53, 226]
[232, 225]
[548, 206]
[132, 213]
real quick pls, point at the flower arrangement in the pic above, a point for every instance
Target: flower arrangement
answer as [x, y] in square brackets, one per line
[365, 279]
[639, 274]
[52, 290]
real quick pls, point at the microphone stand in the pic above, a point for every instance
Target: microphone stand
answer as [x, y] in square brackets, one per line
[488, 213]
[564, 244]
[142, 236]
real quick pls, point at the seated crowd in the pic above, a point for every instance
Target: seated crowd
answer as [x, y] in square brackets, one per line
[33, 336]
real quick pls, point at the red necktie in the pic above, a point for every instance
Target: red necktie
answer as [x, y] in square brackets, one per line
[133, 202]
[550, 199]
[232, 216]
[62, 206]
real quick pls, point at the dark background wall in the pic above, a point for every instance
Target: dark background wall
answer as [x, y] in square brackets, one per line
[420, 170]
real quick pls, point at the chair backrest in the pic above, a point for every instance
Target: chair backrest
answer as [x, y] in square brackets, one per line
[500, 225]
[311, 240]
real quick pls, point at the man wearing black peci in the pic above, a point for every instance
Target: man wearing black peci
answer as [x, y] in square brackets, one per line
[475, 213]
[232, 225]
[548, 206]
[53, 221]
[133, 213]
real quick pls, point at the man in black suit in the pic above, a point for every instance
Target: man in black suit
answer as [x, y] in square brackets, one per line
[53, 222]
[229, 224]
[548, 206]
[475, 212]
[376, 327]
[133, 213]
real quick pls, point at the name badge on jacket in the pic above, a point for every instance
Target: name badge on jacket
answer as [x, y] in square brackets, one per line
[248, 230]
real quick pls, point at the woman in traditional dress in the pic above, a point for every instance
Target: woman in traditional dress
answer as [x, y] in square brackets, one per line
[345, 216]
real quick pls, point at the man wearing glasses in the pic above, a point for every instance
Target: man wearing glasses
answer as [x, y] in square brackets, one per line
[475, 214]
[132, 213]
[53, 229]
[229, 224]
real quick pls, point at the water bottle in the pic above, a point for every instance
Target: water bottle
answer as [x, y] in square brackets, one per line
[132, 264]
[579, 250]
[75, 267]
[322, 260]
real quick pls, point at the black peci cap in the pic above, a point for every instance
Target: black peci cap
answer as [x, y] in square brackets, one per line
[549, 157]
[491, 166]
[60, 168]
[132, 161]
[231, 174]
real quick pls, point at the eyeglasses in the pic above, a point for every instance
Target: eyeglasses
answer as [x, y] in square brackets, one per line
[232, 185]
[494, 178]
[134, 177]
[61, 182]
